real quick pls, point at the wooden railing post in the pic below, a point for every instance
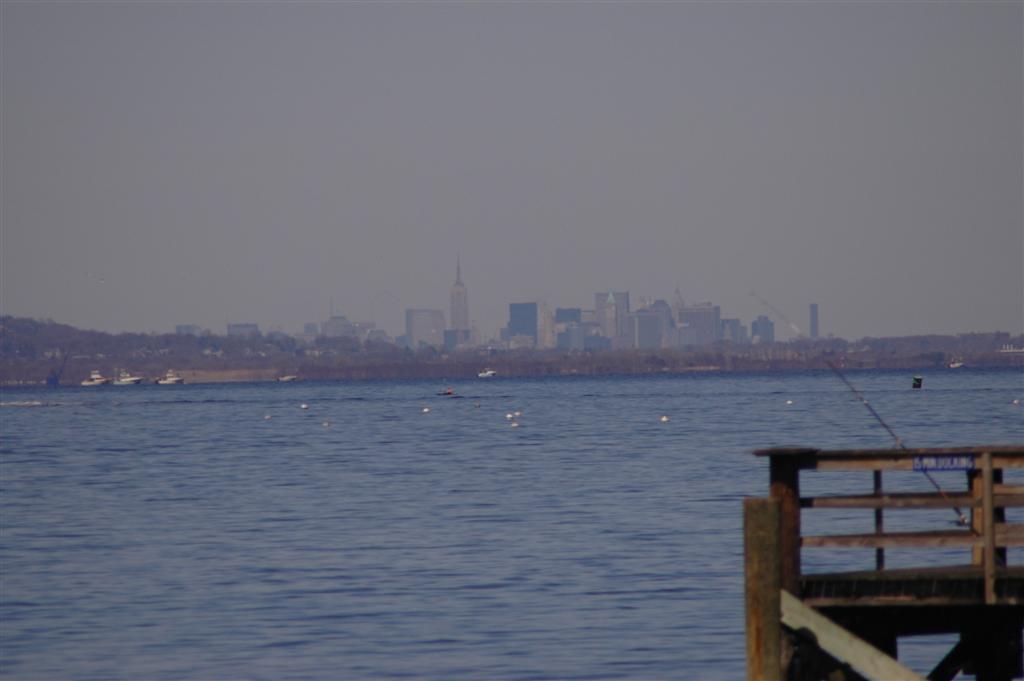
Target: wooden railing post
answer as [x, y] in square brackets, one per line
[988, 513]
[975, 487]
[784, 476]
[879, 521]
[762, 579]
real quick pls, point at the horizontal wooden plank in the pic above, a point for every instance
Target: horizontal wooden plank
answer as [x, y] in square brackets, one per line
[1003, 456]
[843, 645]
[888, 463]
[931, 573]
[1000, 488]
[934, 539]
[1009, 534]
[1005, 535]
[910, 500]
[1012, 451]
[918, 587]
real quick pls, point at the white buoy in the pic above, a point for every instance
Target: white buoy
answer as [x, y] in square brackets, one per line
[664, 419]
[426, 410]
[327, 424]
[1016, 401]
[514, 424]
[303, 406]
[510, 416]
[266, 417]
[789, 401]
[517, 413]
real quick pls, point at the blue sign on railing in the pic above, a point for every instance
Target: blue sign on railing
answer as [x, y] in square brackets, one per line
[951, 462]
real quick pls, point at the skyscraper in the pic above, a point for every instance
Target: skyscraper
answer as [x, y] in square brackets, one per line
[612, 309]
[814, 321]
[522, 320]
[701, 324]
[645, 330]
[424, 327]
[459, 302]
[763, 330]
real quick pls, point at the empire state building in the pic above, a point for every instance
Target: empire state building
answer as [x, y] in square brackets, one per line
[460, 307]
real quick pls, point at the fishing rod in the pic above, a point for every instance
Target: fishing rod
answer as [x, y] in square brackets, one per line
[961, 518]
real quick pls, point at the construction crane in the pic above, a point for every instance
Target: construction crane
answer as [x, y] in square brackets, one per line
[794, 327]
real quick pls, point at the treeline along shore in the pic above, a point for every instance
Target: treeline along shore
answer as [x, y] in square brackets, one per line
[40, 352]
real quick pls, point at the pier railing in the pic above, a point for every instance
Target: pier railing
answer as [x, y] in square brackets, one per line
[984, 588]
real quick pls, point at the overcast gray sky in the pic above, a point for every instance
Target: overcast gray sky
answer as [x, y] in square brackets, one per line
[187, 162]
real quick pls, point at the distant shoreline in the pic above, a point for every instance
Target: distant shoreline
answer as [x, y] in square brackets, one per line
[34, 352]
[539, 369]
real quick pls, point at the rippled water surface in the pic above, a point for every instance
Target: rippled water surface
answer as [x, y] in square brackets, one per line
[201, 532]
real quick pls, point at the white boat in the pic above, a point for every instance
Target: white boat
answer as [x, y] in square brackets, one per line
[126, 378]
[955, 364]
[487, 373]
[171, 378]
[95, 378]
[288, 379]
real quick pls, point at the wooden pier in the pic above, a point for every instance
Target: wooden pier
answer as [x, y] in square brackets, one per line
[846, 625]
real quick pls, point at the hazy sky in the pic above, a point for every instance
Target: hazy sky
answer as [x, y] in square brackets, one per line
[187, 162]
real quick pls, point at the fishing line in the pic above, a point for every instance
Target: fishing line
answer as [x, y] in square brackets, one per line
[961, 518]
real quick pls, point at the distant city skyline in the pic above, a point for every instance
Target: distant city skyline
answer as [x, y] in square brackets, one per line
[170, 163]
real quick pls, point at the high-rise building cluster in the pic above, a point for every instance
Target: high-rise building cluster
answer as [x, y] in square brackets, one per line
[613, 323]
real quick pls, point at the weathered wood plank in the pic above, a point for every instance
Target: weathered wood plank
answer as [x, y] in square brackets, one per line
[1004, 535]
[1012, 451]
[879, 519]
[784, 482]
[885, 463]
[762, 585]
[893, 500]
[910, 500]
[842, 645]
[887, 459]
[988, 512]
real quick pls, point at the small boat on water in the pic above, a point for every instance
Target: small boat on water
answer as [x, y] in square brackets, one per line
[96, 378]
[956, 364]
[170, 378]
[487, 373]
[126, 378]
[288, 379]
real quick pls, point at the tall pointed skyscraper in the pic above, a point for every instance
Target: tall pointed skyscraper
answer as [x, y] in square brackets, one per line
[460, 305]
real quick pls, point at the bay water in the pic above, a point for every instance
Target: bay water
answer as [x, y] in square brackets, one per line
[388, 532]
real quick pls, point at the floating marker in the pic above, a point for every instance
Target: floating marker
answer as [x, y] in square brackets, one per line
[514, 424]
[664, 419]
[1016, 402]
[266, 417]
[518, 413]
[510, 416]
[327, 424]
[789, 401]
[426, 410]
[303, 406]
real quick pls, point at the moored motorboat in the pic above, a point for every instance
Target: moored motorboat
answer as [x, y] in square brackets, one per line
[487, 373]
[126, 378]
[170, 378]
[288, 379]
[95, 378]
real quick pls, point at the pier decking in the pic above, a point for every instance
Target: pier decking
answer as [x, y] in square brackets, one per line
[846, 625]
